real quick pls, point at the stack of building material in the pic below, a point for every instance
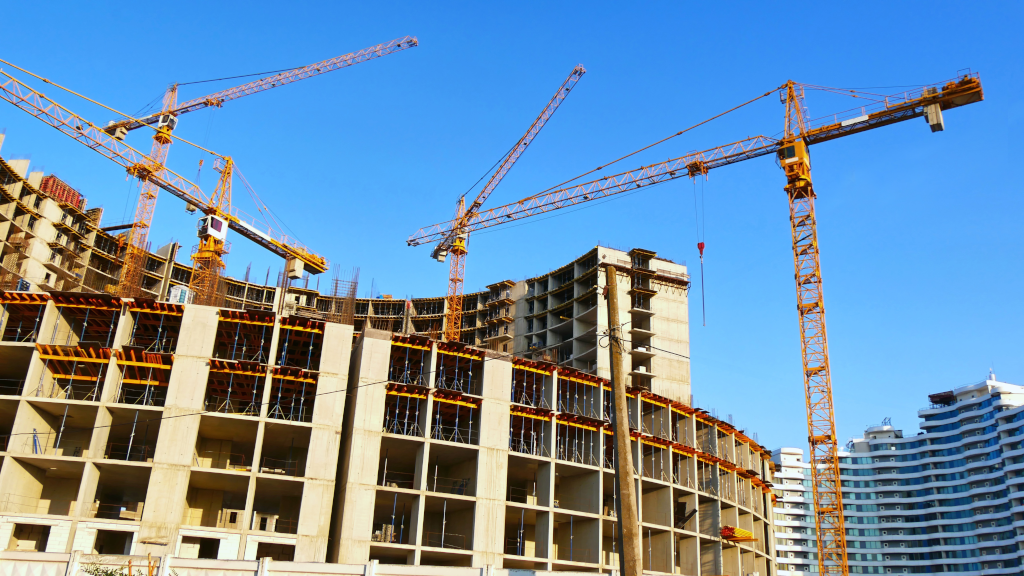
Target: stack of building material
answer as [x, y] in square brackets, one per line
[61, 192]
[734, 534]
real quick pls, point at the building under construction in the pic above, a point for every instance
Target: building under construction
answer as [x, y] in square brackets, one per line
[303, 425]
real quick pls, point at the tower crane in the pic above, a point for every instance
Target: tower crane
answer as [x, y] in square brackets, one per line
[455, 240]
[166, 121]
[792, 153]
[219, 213]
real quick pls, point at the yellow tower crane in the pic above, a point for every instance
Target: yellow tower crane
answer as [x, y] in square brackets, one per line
[166, 121]
[792, 152]
[219, 213]
[455, 241]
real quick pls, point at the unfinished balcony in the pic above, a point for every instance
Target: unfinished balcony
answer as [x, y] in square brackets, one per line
[133, 435]
[215, 500]
[41, 487]
[120, 492]
[292, 395]
[577, 489]
[244, 336]
[143, 376]
[448, 526]
[156, 325]
[52, 429]
[300, 343]
[22, 316]
[527, 481]
[521, 537]
[285, 450]
[459, 369]
[393, 517]
[225, 443]
[531, 383]
[451, 470]
[235, 388]
[398, 463]
[275, 507]
[8, 410]
[409, 361]
[576, 541]
[72, 372]
[455, 418]
[14, 364]
[405, 410]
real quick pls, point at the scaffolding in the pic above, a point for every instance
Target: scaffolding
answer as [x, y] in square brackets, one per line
[452, 420]
[528, 429]
[156, 326]
[459, 368]
[402, 408]
[577, 439]
[656, 459]
[301, 341]
[244, 335]
[77, 372]
[292, 394]
[530, 383]
[22, 315]
[579, 393]
[235, 387]
[145, 376]
[409, 358]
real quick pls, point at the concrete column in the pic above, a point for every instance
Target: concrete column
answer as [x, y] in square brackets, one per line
[492, 462]
[168, 482]
[357, 476]
[324, 444]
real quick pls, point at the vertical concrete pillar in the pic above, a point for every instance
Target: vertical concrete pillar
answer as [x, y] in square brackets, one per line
[492, 462]
[324, 443]
[168, 482]
[357, 476]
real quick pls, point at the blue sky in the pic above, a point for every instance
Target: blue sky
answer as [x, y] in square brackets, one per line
[920, 232]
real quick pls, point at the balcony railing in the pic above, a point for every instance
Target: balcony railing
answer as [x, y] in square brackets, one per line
[11, 387]
[130, 452]
[445, 540]
[122, 511]
[392, 479]
[223, 460]
[280, 466]
[30, 505]
[457, 486]
[266, 522]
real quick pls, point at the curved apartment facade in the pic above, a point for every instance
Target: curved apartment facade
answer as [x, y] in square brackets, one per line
[940, 501]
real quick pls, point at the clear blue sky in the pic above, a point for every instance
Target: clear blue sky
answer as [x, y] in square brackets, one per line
[920, 232]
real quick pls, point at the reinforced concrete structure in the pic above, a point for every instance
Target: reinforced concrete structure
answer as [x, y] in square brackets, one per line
[136, 426]
[944, 500]
[146, 426]
[461, 456]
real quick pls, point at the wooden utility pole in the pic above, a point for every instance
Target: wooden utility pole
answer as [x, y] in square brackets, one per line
[630, 555]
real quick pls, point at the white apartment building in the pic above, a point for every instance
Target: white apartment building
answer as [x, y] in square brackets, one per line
[944, 500]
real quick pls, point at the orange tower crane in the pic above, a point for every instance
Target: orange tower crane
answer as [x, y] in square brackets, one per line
[793, 156]
[220, 215]
[455, 241]
[166, 121]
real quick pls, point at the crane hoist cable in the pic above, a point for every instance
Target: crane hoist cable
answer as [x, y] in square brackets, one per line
[700, 229]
